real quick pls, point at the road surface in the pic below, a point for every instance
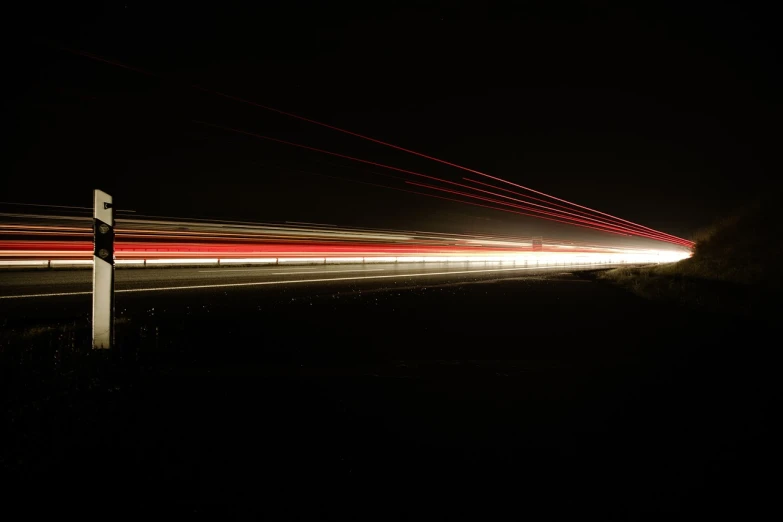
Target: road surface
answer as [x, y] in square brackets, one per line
[16, 285]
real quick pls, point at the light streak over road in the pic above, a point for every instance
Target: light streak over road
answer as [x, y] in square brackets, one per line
[58, 241]
[153, 255]
[400, 276]
[593, 216]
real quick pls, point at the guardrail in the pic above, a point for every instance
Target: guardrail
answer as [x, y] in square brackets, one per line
[560, 260]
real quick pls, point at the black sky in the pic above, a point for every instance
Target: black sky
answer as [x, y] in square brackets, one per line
[666, 116]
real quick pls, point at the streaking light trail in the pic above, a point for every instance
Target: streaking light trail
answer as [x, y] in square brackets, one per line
[568, 208]
[289, 281]
[565, 217]
[51, 241]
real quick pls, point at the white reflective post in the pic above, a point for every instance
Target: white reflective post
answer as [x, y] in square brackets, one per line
[103, 271]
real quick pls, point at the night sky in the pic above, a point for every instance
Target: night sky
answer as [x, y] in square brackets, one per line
[668, 117]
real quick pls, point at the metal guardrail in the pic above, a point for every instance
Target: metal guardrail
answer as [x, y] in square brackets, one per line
[220, 262]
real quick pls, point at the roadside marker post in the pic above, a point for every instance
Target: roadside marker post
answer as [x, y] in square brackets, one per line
[103, 271]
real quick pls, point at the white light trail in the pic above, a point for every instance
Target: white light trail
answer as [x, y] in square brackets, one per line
[299, 281]
[541, 258]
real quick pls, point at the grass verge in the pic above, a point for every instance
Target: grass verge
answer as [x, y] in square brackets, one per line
[733, 268]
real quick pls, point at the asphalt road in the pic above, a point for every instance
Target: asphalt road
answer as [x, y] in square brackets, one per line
[61, 283]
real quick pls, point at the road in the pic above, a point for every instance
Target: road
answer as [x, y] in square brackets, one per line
[16, 285]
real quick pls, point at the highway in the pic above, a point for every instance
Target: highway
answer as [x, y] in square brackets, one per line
[46, 284]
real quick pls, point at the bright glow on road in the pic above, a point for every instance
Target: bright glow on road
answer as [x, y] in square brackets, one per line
[540, 260]
[400, 276]
[46, 241]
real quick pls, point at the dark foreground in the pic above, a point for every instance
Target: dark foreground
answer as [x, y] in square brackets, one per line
[542, 396]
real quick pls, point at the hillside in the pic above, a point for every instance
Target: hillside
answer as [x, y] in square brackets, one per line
[734, 267]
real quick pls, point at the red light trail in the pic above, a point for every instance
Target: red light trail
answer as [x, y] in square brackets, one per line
[64, 241]
[572, 210]
[599, 225]
[573, 221]
[619, 225]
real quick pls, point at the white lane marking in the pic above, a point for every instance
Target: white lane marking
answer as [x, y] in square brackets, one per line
[300, 272]
[265, 283]
[45, 295]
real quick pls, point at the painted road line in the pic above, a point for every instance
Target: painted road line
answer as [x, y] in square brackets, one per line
[295, 281]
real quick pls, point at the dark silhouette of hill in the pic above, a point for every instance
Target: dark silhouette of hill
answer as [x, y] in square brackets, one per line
[734, 267]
